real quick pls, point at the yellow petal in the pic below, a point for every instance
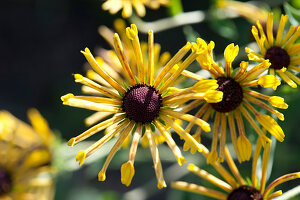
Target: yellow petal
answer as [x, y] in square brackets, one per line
[127, 173]
[271, 125]
[213, 96]
[161, 185]
[131, 31]
[101, 176]
[231, 52]
[205, 85]
[80, 157]
[126, 141]
[278, 102]
[37, 158]
[71, 142]
[269, 81]
[244, 147]
[66, 97]
[212, 157]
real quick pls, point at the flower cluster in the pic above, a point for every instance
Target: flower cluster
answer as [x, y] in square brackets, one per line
[135, 92]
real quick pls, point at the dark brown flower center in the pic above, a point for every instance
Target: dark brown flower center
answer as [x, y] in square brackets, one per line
[232, 95]
[278, 57]
[142, 103]
[5, 182]
[245, 192]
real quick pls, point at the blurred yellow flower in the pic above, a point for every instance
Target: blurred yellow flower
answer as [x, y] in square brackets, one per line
[139, 105]
[244, 9]
[280, 49]
[237, 99]
[25, 165]
[113, 6]
[233, 185]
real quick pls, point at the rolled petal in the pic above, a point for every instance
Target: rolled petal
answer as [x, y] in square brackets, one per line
[101, 176]
[231, 52]
[212, 157]
[244, 147]
[205, 85]
[127, 173]
[278, 102]
[271, 125]
[213, 96]
[80, 157]
[269, 81]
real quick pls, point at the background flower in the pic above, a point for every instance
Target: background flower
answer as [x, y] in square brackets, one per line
[26, 157]
[280, 49]
[113, 6]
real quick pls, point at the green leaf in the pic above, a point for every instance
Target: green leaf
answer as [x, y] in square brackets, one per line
[152, 126]
[165, 93]
[160, 85]
[146, 79]
[224, 27]
[137, 79]
[125, 85]
[295, 4]
[175, 7]
[167, 107]
[143, 130]
[293, 13]
[134, 129]
[121, 94]
[161, 121]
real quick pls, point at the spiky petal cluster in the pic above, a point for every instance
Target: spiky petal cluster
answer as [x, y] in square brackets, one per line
[142, 89]
[281, 50]
[237, 102]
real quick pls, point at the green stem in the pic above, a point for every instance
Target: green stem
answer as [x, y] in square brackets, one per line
[175, 7]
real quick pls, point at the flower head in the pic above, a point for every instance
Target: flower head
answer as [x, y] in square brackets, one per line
[108, 59]
[233, 185]
[238, 100]
[280, 49]
[25, 155]
[113, 6]
[139, 105]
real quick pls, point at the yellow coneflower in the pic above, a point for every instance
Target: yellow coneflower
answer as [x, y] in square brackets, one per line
[25, 156]
[234, 186]
[238, 100]
[140, 106]
[280, 49]
[113, 6]
[108, 59]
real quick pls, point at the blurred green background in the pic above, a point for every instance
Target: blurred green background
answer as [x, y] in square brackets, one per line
[40, 50]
